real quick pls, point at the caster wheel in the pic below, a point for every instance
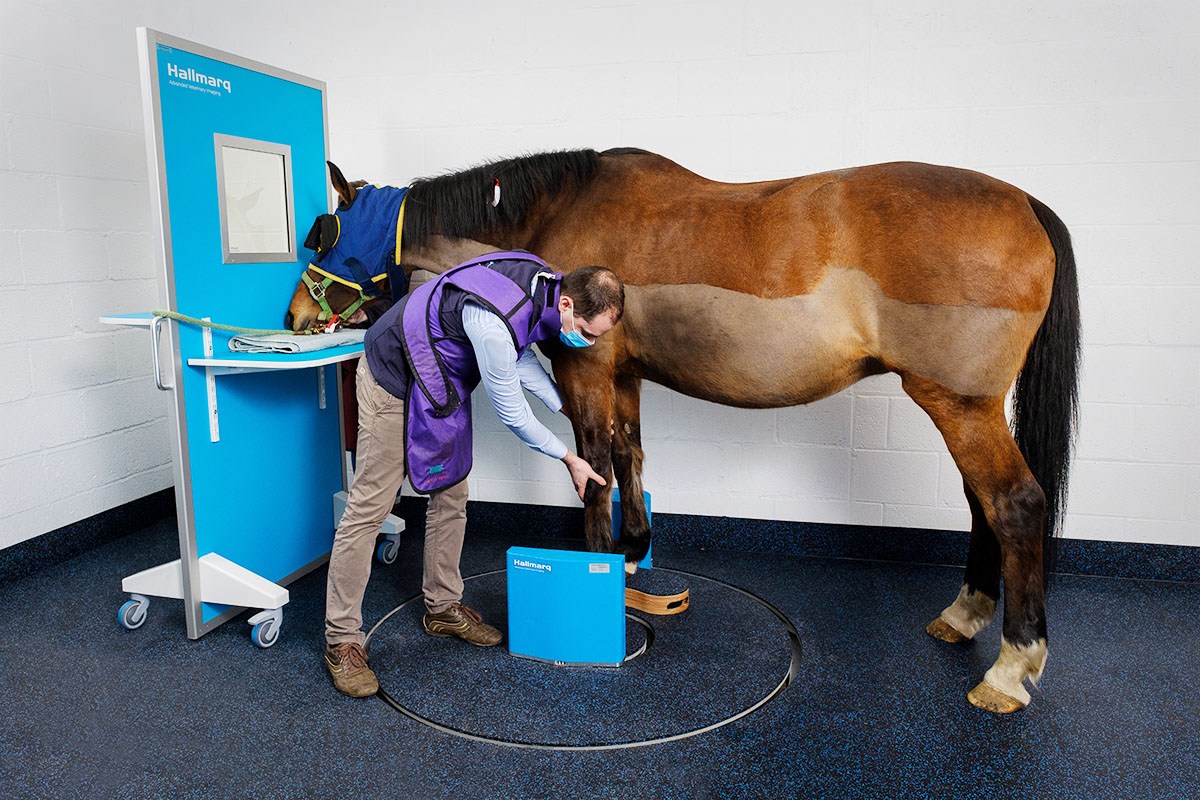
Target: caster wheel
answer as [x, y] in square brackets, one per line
[265, 634]
[387, 551]
[132, 614]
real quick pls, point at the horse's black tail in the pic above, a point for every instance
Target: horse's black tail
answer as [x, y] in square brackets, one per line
[1046, 397]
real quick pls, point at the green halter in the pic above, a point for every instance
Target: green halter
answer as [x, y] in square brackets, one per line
[317, 291]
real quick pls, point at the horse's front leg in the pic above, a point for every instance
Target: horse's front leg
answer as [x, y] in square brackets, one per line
[594, 443]
[586, 385]
[627, 457]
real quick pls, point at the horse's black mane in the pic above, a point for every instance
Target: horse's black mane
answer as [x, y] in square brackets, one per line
[459, 204]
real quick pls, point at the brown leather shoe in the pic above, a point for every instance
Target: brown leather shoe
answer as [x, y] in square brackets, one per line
[464, 622]
[347, 663]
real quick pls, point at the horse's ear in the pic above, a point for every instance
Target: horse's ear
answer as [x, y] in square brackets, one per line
[323, 235]
[345, 192]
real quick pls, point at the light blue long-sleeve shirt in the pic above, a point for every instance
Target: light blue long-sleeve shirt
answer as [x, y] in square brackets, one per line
[504, 373]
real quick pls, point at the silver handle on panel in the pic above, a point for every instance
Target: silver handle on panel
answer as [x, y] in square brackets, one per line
[155, 331]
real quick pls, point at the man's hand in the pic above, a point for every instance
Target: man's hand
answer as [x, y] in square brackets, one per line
[581, 472]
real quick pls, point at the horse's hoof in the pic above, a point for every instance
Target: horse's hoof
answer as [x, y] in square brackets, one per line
[940, 629]
[630, 567]
[989, 698]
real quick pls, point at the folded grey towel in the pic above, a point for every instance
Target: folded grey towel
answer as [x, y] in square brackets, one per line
[284, 343]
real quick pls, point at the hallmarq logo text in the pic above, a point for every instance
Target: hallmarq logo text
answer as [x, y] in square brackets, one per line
[192, 76]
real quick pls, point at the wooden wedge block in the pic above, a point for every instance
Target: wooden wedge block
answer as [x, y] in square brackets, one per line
[661, 604]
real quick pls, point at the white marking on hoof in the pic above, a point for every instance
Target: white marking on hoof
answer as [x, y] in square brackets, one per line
[630, 567]
[970, 612]
[1015, 664]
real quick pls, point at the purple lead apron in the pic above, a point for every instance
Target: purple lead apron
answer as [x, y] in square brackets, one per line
[443, 370]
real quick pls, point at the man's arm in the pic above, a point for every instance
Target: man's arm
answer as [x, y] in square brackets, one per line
[497, 360]
[537, 381]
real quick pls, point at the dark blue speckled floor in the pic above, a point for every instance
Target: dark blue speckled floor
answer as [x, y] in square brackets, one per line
[738, 646]
[878, 709]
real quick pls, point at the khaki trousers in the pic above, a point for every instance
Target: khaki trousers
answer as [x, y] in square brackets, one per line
[379, 472]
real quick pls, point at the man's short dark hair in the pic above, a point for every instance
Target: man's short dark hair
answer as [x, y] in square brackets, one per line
[595, 290]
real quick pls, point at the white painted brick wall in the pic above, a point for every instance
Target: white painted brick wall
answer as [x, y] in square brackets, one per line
[82, 428]
[1090, 108]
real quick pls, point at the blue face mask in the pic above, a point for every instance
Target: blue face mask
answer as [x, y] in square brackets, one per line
[573, 338]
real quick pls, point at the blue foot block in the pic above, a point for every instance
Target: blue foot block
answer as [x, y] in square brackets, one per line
[566, 607]
[648, 561]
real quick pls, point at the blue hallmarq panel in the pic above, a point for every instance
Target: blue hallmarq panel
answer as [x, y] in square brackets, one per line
[262, 494]
[566, 607]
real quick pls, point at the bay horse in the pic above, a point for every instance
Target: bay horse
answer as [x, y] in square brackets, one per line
[782, 292]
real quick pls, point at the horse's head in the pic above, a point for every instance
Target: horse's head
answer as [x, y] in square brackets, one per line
[355, 251]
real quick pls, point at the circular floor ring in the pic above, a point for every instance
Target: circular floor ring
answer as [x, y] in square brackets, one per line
[793, 666]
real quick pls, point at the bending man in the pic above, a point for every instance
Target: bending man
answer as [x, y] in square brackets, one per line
[422, 359]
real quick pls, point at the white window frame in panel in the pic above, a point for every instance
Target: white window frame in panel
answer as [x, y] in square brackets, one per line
[222, 141]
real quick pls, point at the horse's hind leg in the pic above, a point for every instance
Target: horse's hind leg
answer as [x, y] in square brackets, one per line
[975, 605]
[627, 460]
[1013, 505]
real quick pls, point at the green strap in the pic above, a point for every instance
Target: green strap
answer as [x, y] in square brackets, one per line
[158, 312]
[317, 291]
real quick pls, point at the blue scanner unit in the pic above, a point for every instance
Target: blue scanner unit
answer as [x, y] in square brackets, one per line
[566, 607]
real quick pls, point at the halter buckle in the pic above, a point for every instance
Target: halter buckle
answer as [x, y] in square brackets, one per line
[317, 290]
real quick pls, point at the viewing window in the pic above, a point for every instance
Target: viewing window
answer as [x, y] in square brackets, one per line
[254, 180]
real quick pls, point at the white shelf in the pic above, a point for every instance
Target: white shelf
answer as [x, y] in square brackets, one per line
[243, 363]
[239, 363]
[142, 319]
